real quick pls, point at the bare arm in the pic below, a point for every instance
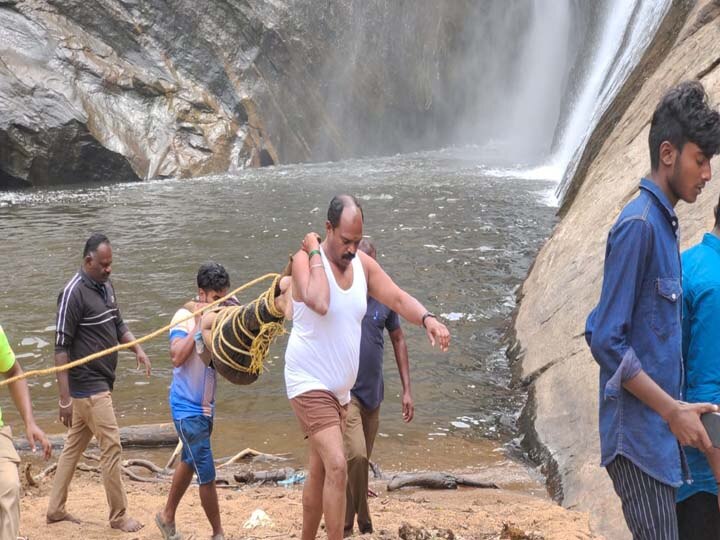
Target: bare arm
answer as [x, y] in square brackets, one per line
[21, 397]
[309, 281]
[397, 337]
[182, 348]
[65, 414]
[383, 289]
[683, 418]
[140, 355]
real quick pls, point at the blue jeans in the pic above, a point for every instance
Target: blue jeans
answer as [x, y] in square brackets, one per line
[194, 432]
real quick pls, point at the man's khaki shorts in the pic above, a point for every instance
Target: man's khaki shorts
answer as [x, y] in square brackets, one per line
[317, 410]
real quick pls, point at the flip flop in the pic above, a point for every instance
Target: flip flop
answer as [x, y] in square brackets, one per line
[168, 531]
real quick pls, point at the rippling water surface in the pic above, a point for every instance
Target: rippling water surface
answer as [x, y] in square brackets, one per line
[456, 236]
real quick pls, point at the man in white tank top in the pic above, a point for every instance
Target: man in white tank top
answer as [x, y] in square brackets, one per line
[330, 285]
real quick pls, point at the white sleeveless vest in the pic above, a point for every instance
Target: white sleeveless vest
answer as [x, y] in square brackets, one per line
[323, 352]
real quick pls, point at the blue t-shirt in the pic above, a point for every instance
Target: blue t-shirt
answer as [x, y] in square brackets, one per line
[701, 345]
[369, 388]
[192, 392]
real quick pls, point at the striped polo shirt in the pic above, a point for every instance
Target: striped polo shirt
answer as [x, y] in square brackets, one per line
[88, 321]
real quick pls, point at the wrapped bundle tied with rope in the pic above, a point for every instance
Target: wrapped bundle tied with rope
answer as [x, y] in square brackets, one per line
[237, 338]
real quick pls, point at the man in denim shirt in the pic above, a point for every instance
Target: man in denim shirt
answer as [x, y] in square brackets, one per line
[634, 333]
[697, 508]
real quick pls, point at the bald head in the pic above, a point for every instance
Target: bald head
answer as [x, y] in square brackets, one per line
[338, 205]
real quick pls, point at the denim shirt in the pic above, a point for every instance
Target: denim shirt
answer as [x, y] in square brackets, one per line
[701, 343]
[637, 326]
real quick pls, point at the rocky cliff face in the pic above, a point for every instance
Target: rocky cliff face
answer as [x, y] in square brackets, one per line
[564, 283]
[125, 90]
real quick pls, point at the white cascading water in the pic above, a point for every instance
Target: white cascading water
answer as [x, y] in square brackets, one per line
[556, 116]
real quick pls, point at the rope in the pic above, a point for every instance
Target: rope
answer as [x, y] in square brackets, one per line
[259, 342]
[122, 346]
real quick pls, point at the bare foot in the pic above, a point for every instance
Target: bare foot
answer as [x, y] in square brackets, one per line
[66, 517]
[128, 525]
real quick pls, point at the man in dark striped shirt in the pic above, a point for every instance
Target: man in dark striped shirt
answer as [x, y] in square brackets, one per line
[89, 321]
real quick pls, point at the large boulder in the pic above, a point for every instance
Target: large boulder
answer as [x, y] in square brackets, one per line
[560, 419]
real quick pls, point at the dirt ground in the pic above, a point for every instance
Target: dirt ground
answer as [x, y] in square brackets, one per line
[470, 513]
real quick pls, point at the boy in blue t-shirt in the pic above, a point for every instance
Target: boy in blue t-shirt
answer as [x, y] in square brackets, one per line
[697, 507]
[192, 403]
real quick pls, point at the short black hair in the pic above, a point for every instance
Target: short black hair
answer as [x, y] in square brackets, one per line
[212, 276]
[366, 245]
[338, 204]
[717, 214]
[684, 115]
[94, 242]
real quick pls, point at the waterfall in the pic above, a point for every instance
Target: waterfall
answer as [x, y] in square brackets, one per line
[575, 57]
[628, 32]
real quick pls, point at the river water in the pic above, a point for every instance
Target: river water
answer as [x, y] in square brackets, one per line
[455, 234]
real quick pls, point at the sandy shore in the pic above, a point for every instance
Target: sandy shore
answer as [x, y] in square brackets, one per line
[471, 514]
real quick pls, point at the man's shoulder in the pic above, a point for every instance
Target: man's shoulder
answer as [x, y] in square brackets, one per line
[180, 314]
[694, 252]
[72, 288]
[638, 208]
[701, 268]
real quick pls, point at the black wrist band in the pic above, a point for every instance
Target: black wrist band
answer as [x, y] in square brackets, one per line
[425, 316]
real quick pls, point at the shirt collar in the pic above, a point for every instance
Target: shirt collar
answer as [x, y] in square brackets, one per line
[93, 284]
[712, 241]
[662, 201]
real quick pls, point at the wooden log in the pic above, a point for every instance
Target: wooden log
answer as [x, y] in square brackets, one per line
[142, 436]
[146, 464]
[254, 454]
[436, 480]
[430, 480]
[34, 480]
[249, 477]
[471, 482]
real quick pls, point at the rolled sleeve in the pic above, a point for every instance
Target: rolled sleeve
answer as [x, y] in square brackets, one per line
[628, 368]
[610, 324]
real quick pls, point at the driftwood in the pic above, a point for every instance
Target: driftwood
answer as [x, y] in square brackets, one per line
[435, 480]
[161, 475]
[175, 455]
[34, 480]
[259, 456]
[147, 435]
[249, 477]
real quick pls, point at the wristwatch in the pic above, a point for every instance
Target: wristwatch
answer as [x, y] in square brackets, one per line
[425, 316]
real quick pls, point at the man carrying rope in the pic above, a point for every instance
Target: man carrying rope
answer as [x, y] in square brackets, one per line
[88, 321]
[192, 404]
[330, 285]
[9, 459]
